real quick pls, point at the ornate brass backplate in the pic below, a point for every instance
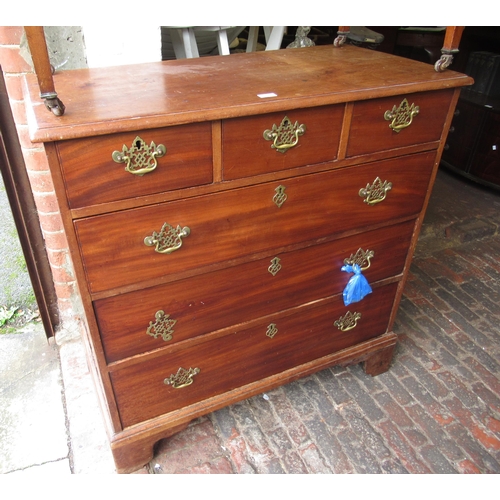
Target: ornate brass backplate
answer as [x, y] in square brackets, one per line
[163, 326]
[376, 192]
[361, 258]
[401, 116]
[168, 239]
[272, 330]
[182, 378]
[140, 158]
[280, 197]
[285, 136]
[275, 266]
[348, 321]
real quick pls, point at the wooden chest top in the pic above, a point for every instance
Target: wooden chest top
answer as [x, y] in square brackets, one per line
[152, 95]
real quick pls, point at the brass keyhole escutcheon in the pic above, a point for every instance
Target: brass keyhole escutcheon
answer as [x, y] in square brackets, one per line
[280, 197]
[275, 266]
[140, 158]
[272, 330]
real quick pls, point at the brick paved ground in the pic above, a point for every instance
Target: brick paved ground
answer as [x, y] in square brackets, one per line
[437, 410]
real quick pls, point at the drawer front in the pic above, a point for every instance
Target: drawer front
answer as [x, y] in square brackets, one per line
[92, 176]
[166, 314]
[371, 131]
[247, 152]
[247, 355]
[241, 222]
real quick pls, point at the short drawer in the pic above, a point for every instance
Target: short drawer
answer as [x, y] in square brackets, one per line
[92, 176]
[279, 141]
[372, 121]
[156, 317]
[249, 354]
[241, 222]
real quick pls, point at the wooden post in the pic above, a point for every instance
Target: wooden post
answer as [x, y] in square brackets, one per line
[342, 33]
[450, 47]
[41, 63]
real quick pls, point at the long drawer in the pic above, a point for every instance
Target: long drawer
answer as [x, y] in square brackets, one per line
[392, 123]
[277, 141]
[92, 175]
[240, 222]
[163, 315]
[275, 344]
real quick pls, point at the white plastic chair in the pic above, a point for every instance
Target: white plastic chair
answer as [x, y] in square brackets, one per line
[191, 41]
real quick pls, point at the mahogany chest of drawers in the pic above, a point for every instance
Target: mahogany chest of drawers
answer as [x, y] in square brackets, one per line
[211, 206]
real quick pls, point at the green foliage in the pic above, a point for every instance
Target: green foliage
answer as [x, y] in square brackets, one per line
[6, 314]
[12, 319]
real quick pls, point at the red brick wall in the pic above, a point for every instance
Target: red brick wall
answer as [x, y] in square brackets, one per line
[14, 67]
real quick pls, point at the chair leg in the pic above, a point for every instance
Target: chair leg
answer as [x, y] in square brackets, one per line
[253, 35]
[222, 43]
[275, 38]
[177, 43]
[188, 41]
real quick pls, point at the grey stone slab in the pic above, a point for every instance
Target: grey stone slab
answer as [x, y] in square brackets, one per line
[57, 468]
[91, 452]
[32, 417]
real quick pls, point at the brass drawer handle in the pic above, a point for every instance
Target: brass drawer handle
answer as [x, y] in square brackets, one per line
[163, 326]
[348, 321]
[401, 116]
[182, 378]
[140, 159]
[168, 239]
[361, 258]
[285, 136]
[376, 192]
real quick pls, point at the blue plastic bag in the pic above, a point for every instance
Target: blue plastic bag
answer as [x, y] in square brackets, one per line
[357, 287]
